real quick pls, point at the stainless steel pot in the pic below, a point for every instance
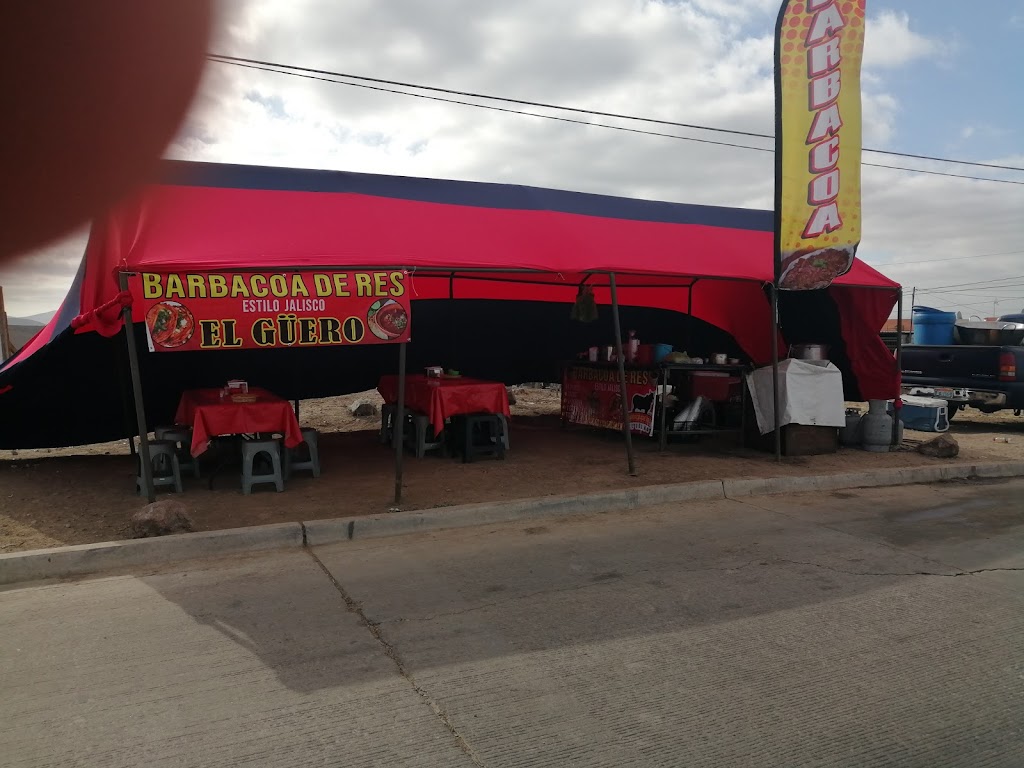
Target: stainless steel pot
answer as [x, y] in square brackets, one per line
[984, 333]
[809, 351]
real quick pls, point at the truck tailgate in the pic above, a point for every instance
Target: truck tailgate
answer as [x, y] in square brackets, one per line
[953, 366]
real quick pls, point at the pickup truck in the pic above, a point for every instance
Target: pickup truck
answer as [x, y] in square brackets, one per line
[987, 378]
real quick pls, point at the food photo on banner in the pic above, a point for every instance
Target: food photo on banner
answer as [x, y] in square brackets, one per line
[818, 50]
[252, 310]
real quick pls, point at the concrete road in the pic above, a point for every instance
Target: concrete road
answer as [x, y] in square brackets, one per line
[862, 628]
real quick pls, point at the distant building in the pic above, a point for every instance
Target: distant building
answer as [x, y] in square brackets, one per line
[888, 332]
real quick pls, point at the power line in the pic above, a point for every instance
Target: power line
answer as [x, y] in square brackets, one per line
[953, 258]
[221, 58]
[286, 70]
[510, 111]
[975, 283]
[990, 297]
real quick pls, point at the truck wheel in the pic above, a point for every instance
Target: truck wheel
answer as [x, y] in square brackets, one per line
[954, 409]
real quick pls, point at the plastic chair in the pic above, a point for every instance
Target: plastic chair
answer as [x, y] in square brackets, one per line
[387, 416]
[504, 429]
[182, 436]
[489, 428]
[421, 426]
[250, 450]
[163, 457]
[311, 439]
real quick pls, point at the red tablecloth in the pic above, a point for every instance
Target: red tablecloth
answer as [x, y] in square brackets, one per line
[443, 398]
[211, 416]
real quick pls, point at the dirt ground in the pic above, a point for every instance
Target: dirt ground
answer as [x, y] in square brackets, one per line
[87, 494]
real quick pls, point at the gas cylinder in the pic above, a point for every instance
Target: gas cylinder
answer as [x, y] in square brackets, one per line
[876, 428]
[849, 435]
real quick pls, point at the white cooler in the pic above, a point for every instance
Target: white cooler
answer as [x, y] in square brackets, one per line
[924, 414]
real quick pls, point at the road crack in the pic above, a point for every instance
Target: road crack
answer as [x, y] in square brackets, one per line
[958, 572]
[355, 607]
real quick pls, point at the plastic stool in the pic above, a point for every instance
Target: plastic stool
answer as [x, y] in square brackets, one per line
[421, 426]
[492, 444]
[504, 429]
[163, 457]
[250, 450]
[182, 436]
[387, 416]
[310, 437]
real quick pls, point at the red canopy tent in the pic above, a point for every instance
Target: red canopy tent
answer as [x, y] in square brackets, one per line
[461, 241]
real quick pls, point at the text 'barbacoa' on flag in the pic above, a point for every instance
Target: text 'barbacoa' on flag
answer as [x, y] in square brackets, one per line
[818, 50]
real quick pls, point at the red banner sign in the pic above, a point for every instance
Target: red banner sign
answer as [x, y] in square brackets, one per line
[264, 310]
[591, 395]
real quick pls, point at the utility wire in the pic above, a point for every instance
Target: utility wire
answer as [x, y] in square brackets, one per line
[952, 258]
[505, 109]
[976, 283]
[286, 70]
[596, 113]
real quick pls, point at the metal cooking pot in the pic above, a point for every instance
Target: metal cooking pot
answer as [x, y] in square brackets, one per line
[994, 334]
[809, 351]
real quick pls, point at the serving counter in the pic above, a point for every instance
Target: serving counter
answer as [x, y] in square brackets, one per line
[591, 396]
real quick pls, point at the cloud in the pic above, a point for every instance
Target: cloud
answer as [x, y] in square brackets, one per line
[701, 62]
[889, 42]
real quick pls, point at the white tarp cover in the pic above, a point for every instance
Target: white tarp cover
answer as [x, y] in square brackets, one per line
[810, 392]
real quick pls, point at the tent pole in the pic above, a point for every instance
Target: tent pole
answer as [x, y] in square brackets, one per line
[775, 372]
[398, 428]
[140, 406]
[622, 375]
[689, 317]
[899, 364]
[453, 327]
[124, 375]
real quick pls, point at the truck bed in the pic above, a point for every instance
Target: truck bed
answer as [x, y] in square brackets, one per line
[966, 374]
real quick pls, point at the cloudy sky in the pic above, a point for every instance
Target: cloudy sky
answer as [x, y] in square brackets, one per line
[941, 78]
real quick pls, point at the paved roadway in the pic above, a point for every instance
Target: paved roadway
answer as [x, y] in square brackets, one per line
[863, 628]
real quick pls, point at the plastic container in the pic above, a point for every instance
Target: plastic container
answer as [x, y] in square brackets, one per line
[632, 347]
[933, 326]
[924, 414]
[716, 387]
[661, 351]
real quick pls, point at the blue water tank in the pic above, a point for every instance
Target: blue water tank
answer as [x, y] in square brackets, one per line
[933, 326]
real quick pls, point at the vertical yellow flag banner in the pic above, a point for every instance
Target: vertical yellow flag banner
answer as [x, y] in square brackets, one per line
[818, 50]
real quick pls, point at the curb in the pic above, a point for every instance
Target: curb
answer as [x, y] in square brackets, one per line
[320, 532]
[85, 559]
[881, 478]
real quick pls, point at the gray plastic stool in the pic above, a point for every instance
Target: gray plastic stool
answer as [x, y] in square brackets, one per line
[310, 438]
[420, 427]
[163, 456]
[486, 426]
[183, 437]
[387, 416]
[250, 450]
[504, 428]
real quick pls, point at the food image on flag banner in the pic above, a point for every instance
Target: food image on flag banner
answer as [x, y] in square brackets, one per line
[818, 51]
[252, 310]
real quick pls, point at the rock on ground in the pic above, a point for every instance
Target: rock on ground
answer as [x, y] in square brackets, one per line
[160, 519]
[941, 447]
[363, 409]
